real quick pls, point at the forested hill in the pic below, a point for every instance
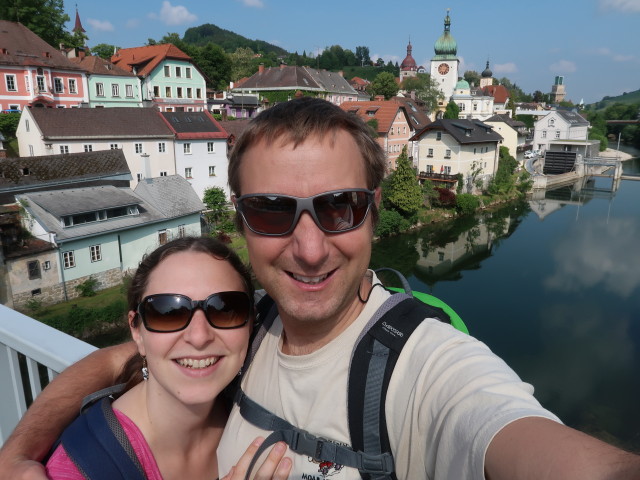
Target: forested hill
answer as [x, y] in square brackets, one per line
[229, 41]
[626, 98]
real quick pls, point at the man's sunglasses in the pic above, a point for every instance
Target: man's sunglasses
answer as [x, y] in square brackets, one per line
[172, 312]
[337, 211]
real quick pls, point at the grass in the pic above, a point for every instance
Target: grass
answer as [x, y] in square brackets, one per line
[102, 298]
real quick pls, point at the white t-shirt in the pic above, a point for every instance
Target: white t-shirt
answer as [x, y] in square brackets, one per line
[448, 396]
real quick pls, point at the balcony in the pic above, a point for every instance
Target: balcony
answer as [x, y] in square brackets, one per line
[31, 355]
[438, 177]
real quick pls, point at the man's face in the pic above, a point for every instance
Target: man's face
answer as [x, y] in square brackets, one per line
[313, 276]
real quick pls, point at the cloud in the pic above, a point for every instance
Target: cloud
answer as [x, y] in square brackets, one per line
[563, 66]
[252, 3]
[170, 15]
[100, 25]
[623, 58]
[626, 6]
[509, 67]
[132, 23]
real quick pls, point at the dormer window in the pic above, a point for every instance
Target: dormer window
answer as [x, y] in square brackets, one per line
[99, 215]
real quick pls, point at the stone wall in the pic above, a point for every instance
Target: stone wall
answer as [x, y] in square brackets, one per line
[55, 293]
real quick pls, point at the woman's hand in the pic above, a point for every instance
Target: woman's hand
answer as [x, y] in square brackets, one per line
[275, 467]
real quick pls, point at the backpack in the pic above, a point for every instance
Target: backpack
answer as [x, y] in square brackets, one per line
[97, 444]
[373, 360]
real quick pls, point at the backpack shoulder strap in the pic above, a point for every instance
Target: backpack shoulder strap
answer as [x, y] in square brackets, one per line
[372, 364]
[99, 447]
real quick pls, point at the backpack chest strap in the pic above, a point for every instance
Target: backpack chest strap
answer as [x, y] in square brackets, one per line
[305, 443]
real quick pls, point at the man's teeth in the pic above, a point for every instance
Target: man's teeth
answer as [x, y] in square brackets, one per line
[201, 363]
[311, 280]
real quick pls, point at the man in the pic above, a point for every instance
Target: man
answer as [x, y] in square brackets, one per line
[454, 410]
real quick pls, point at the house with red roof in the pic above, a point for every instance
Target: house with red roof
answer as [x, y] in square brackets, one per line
[392, 125]
[169, 78]
[108, 84]
[200, 148]
[33, 73]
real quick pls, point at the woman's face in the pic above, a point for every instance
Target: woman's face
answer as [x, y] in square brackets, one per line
[194, 364]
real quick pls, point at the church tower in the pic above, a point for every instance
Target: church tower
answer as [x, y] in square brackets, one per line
[445, 63]
[486, 77]
[408, 67]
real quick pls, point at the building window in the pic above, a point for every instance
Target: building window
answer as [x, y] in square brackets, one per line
[88, 148]
[64, 149]
[41, 86]
[163, 173]
[188, 72]
[34, 269]
[474, 150]
[68, 259]
[552, 122]
[58, 86]
[447, 170]
[129, 90]
[167, 92]
[162, 147]
[167, 71]
[187, 172]
[181, 231]
[557, 133]
[178, 72]
[10, 80]
[198, 93]
[72, 86]
[438, 135]
[46, 265]
[138, 147]
[113, 146]
[430, 152]
[544, 134]
[156, 91]
[179, 92]
[429, 168]
[115, 90]
[31, 150]
[211, 147]
[162, 237]
[96, 253]
[99, 90]
[189, 92]
[187, 148]
[212, 171]
[475, 107]
[447, 153]
[138, 176]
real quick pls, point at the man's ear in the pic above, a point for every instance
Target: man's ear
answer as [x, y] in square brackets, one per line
[377, 196]
[135, 332]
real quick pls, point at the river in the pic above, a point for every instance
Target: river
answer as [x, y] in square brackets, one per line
[553, 287]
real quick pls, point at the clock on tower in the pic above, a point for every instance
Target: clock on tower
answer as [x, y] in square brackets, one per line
[443, 69]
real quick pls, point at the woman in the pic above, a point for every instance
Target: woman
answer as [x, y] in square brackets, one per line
[190, 307]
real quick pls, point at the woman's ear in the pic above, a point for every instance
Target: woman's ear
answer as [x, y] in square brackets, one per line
[135, 331]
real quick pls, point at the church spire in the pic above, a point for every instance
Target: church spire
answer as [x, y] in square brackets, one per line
[78, 26]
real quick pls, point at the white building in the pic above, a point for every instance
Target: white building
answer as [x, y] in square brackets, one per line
[559, 125]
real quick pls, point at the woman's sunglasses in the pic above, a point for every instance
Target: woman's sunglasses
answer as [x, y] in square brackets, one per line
[172, 312]
[337, 211]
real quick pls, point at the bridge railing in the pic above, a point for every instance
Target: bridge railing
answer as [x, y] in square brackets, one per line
[31, 355]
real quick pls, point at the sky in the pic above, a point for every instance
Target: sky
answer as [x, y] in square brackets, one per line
[594, 44]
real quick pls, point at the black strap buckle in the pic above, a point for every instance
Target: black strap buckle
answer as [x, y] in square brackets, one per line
[308, 444]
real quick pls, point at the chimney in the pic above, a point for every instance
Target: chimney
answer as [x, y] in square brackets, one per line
[146, 167]
[261, 68]
[341, 73]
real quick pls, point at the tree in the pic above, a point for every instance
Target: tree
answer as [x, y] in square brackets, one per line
[425, 88]
[215, 64]
[384, 84]
[404, 193]
[452, 111]
[504, 181]
[472, 77]
[242, 63]
[362, 56]
[217, 214]
[45, 18]
[104, 50]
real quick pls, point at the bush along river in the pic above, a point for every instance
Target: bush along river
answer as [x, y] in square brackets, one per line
[552, 286]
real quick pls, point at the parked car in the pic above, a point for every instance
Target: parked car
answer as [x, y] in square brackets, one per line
[529, 154]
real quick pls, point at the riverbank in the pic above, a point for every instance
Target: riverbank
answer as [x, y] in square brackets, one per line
[613, 153]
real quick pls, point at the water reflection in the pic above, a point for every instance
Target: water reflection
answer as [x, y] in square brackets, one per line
[603, 252]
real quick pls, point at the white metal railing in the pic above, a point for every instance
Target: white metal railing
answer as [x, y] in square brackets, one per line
[31, 354]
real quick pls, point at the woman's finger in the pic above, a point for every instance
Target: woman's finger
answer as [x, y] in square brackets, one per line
[275, 466]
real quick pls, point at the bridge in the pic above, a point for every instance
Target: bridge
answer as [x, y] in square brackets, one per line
[623, 122]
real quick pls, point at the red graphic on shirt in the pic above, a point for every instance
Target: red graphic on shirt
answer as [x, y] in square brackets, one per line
[327, 469]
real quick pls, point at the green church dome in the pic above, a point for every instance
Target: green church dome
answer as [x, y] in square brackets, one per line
[462, 85]
[446, 45]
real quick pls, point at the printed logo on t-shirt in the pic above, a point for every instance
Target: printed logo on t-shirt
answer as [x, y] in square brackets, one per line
[325, 469]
